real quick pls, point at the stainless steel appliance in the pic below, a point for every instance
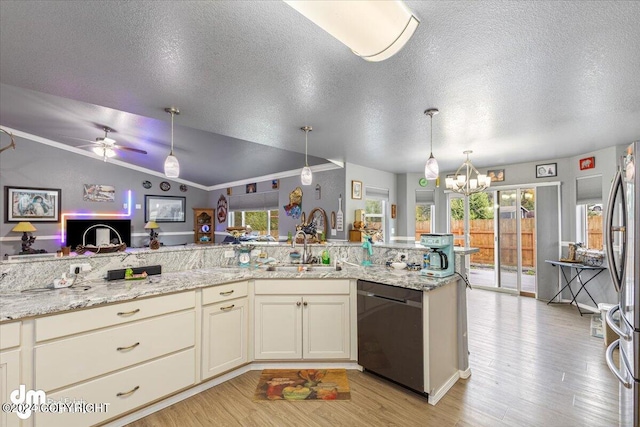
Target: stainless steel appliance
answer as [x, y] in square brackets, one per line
[390, 337]
[441, 259]
[623, 254]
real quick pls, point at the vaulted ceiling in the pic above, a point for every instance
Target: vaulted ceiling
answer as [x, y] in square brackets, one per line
[514, 81]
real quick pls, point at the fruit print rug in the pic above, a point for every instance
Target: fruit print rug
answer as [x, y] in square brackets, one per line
[303, 384]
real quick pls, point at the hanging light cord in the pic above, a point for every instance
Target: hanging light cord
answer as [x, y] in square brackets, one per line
[171, 154]
[431, 150]
[306, 135]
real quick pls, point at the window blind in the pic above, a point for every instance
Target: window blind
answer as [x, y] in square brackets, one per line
[267, 200]
[376, 193]
[425, 197]
[589, 190]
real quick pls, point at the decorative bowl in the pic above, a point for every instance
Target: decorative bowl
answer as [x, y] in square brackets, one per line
[399, 265]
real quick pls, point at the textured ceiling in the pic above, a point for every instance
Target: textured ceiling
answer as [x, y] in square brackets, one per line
[514, 81]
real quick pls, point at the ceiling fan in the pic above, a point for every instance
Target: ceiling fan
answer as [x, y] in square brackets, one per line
[106, 147]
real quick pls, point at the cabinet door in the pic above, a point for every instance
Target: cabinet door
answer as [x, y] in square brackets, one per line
[326, 332]
[9, 381]
[224, 336]
[278, 327]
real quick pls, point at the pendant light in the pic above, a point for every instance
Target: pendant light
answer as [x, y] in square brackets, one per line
[431, 169]
[463, 181]
[306, 176]
[171, 165]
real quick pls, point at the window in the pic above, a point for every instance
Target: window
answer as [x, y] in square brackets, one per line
[589, 218]
[375, 216]
[262, 223]
[425, 210]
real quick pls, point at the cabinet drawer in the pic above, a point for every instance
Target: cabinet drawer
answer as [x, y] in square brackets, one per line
[224, 292]
[10, 335]
[302, 287]
[95, 318]
[151, 381]
[71, 360]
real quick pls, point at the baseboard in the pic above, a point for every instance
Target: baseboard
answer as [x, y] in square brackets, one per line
[465, 374]
[439, 393]
[199, 388]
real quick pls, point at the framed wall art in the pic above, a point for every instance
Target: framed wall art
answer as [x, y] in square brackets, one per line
[32, 204]
[356, 190]
[496, 175]
[164, 208]
[546, 170]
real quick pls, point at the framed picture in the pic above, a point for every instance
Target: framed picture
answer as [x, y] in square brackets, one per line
[393, 211]
[251, 188]
[164, 208]
[356, 189]
[275, 184]
[98, 193]
[496, 175]
[546, 170]
[587, 163]
[32, 204]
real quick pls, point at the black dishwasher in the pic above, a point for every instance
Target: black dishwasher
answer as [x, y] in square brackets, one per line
[390, 340]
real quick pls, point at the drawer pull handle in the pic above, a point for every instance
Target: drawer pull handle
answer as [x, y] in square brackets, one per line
[128, 348]
[128, 313]
[298, 303]
[126, 393]
[227, 308]
[226, 294]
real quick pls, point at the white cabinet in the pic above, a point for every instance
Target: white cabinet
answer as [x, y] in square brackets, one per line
[224, 336]
[9, 369]
[122, 355]
[315, 324]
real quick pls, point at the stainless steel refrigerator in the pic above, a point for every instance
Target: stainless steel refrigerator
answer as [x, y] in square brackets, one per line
[623, 254]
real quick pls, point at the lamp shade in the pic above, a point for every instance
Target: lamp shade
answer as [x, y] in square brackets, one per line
[306, 176]
[24, 226]
[151, 225]
[104, 151]
[374, 30]
[171, 166]
[431, 169]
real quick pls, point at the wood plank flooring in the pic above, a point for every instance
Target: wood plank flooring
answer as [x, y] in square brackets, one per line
[532, 365]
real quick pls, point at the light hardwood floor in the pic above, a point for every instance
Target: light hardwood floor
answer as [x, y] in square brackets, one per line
[532, 365]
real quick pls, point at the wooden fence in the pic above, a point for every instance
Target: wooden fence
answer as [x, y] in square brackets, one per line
[482, 237]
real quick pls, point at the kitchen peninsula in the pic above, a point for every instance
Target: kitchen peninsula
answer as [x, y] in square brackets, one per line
[201, 322]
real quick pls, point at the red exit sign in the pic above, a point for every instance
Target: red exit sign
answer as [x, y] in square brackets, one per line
[587, 163]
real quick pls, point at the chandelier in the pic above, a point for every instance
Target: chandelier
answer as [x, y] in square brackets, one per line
[463, 181]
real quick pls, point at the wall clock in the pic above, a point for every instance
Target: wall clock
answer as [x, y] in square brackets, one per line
[423, 182]
[165, 186]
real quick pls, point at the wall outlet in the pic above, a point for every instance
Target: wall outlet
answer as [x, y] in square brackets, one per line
[82, 268]
[138, 206]
[229, 254]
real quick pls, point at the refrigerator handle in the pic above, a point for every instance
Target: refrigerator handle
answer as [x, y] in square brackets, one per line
[612, 324]
[612, 366]
[616, 275]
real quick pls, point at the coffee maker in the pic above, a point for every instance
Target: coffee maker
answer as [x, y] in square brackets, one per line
[439, 259]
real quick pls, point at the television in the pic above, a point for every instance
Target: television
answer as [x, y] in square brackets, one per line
[75, 229]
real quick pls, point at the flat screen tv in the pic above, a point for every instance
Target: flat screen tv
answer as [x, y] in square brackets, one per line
[75, 229]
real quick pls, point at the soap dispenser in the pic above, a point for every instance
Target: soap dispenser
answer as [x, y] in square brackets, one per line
[368, 251]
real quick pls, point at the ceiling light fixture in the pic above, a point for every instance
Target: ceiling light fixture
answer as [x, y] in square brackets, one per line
[105, 152]
[431, 169]
[462, 182]
[306, 176]
[171, 165]
[374, 30]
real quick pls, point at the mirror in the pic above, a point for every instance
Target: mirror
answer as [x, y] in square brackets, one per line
[319, 217]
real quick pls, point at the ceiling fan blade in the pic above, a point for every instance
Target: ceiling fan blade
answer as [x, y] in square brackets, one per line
[136, 150]
[88, 145]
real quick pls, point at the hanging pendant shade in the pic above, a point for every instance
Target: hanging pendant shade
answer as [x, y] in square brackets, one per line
[171, 164]
[306, 176]
[431, 168]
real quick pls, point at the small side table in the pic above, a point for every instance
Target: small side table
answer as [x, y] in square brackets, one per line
[579, 268]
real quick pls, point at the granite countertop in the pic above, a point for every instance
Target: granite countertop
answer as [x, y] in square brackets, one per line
[19, 305]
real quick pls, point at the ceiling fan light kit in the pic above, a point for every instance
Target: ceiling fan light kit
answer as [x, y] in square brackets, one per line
[171, 164]
[431, 168]
[374, 30]
[306, 176]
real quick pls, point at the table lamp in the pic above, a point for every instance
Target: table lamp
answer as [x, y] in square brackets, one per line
[153, 235]
[27, 239]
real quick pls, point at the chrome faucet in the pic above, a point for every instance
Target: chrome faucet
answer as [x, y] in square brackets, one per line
[305, 254]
